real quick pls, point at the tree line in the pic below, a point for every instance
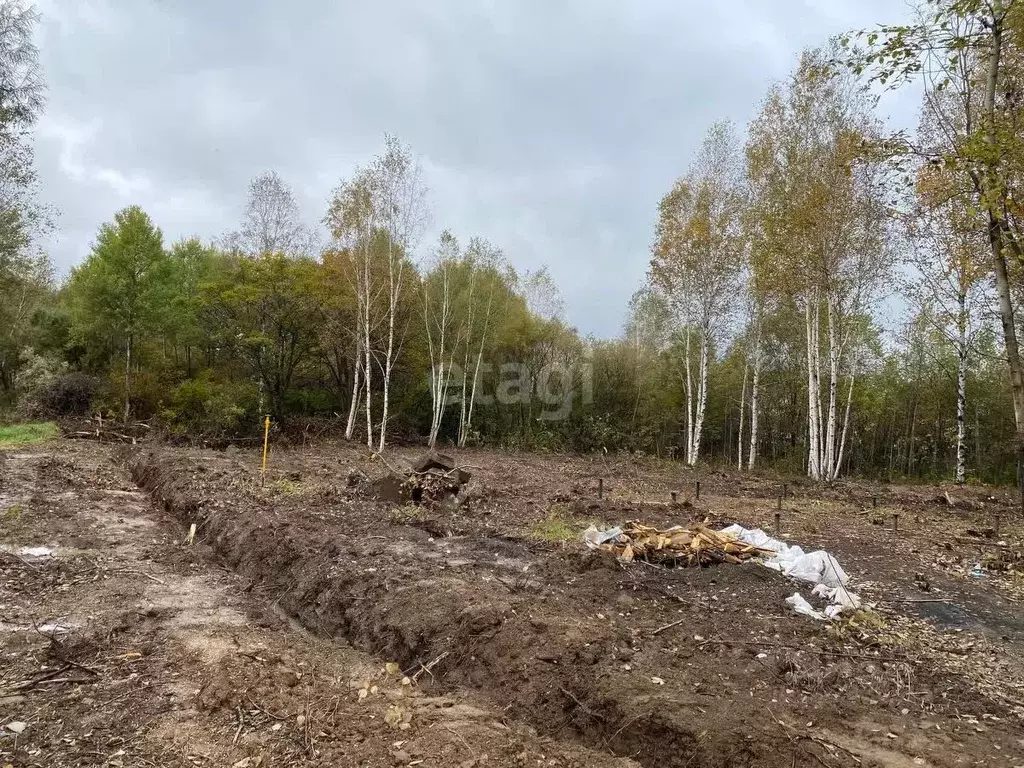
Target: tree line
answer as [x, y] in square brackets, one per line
[822, 296]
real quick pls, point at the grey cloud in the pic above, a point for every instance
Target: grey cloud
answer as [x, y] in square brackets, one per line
[552, 129]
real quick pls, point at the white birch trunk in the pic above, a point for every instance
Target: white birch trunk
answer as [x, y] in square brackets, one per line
[829, 452]
[395, 275]
[702, 397]
[961, 390]
[367, 356]
[813, 455]
[846, 426]
[689, 402]
[743, 403]
[755, 388]
[462, 402]
[353, 407]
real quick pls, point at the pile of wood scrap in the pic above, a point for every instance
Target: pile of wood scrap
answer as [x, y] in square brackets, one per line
[678, 547]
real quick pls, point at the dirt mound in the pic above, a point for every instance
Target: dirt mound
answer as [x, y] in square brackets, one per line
[646, 663]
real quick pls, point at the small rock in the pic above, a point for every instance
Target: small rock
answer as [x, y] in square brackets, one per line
[16, 726]
[401, 757]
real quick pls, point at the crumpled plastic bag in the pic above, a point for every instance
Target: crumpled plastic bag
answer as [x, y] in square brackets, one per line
[840, 596]
[816, 567]
[797, 603]
[594, 537]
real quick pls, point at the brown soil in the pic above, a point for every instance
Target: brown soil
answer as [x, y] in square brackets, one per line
[526, 651]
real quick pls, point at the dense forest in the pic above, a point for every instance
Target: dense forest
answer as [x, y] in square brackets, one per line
[824, 296]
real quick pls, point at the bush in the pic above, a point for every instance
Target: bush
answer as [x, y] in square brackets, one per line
[69, 395]
[201, 406]
[47, 390]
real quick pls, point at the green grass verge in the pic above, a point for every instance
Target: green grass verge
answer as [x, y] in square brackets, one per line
[556, 528]
[27, 434]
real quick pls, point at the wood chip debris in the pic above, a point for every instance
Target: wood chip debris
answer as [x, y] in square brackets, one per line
[679, 547]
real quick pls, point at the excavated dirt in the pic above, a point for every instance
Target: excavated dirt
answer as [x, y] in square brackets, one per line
[127, 647]
[694, 667]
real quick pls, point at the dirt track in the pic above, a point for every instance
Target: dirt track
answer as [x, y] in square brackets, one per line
[528, 653]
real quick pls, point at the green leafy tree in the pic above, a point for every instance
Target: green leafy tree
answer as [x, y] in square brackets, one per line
[122, 288]
[265, 311]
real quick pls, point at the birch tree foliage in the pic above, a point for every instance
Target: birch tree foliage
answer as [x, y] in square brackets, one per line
[697, 262]
[821, 217]
[272, 222]
[383, 204]
[444, 322]
[399, 197]
[950, 281]
[971, 47]
[25, 273]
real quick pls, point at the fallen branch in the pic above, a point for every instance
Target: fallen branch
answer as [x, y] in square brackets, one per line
[25, 685]
[261, 709]
[659, 630]
[148, 576]
[430, 666]
[583, 706]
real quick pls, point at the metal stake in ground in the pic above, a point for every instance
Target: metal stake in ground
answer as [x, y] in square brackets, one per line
[697, 497]
[266, 435]
[895, 522]
[778, 523]
[600, 488]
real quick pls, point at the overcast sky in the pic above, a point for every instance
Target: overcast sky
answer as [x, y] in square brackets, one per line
[550, 127]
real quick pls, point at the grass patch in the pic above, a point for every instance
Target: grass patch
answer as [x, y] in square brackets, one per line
[556, 528]
[27, 434]
[288, 487]
[409, 514]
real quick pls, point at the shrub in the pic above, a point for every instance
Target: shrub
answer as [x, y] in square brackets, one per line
[69, 395]
[47, 390]
[203, 406]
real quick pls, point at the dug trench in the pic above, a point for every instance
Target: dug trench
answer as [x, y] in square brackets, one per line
[688, 667]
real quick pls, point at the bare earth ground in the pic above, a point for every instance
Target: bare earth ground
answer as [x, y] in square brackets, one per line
[266, 642]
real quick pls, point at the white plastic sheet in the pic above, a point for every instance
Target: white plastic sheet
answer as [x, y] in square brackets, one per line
[801, 606]
[818, 568]
[595, 537]
[36, 553]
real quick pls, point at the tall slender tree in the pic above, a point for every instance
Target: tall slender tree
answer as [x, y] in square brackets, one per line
[123, 286]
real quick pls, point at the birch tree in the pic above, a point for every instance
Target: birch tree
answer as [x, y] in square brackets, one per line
[486, 299]
[818, 196]
[757, 342]
[697, 262]
[272, 222]
[949, 285]
[352, 220]
[25, 273]
[971, 49]
[444, 328]
[399, 198]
